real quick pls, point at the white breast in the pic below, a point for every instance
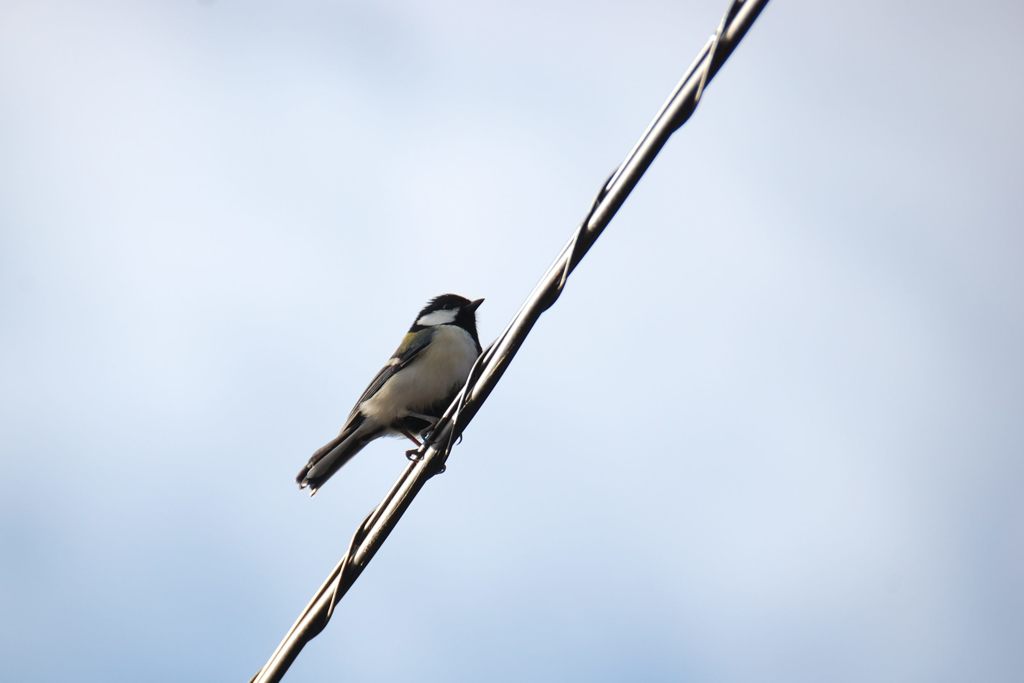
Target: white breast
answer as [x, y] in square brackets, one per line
[441, 367]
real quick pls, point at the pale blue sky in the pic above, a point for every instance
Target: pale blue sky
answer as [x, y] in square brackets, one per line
[771, 432]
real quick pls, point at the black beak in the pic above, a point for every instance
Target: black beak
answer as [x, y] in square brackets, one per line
[473, 305]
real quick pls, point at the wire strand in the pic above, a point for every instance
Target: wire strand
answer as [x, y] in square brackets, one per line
[432, 455]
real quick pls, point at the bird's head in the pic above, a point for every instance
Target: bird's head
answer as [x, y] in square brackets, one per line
[449, 309]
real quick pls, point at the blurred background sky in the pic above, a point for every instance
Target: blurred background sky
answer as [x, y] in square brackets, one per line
[771, 432]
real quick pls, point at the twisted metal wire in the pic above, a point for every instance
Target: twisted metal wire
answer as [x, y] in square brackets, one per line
[431, 457]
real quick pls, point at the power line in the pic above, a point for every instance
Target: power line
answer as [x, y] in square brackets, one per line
[430, 458]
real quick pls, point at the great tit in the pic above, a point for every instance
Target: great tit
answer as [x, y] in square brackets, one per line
[412, 390]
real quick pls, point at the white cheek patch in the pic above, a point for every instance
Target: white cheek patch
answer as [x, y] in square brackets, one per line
[442, 317]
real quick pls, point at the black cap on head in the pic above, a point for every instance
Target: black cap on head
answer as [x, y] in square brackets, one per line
[445, 302]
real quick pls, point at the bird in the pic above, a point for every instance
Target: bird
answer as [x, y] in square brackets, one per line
[412, 390]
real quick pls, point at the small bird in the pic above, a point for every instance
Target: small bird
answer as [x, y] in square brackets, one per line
[412, 390]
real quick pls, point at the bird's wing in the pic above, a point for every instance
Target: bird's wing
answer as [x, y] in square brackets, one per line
[357, 431]
[411, 346]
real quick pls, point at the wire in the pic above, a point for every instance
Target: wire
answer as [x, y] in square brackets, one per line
[431, 457]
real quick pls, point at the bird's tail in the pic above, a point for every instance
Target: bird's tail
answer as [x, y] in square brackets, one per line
[329, 458]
